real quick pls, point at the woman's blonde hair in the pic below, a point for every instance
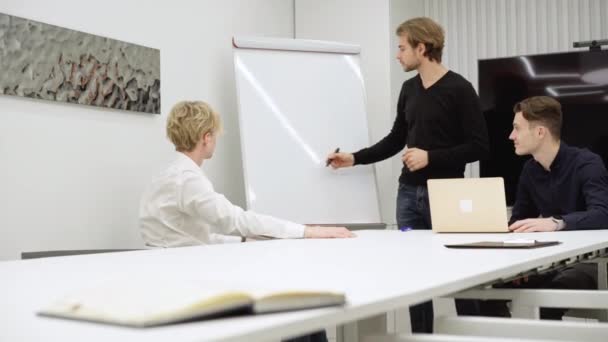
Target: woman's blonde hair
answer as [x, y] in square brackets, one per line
[188, 121]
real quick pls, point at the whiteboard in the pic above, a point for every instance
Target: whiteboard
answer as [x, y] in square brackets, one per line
[298, 100]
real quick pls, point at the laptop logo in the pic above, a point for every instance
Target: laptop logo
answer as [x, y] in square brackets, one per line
[466, 206]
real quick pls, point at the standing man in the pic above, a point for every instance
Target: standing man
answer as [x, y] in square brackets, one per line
[439, 119]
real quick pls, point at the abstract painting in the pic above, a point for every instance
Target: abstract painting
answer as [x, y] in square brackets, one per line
[48, 62]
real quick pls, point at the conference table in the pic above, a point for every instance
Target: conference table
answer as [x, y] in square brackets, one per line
[379, 271]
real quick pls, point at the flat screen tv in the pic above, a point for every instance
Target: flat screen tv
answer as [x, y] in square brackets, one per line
[578, 80]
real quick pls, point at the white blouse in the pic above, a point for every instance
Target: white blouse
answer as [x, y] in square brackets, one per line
[181, 208]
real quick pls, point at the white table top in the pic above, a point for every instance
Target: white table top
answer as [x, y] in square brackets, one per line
[378, 271]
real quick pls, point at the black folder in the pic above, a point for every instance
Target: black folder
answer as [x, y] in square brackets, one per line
[507, 245]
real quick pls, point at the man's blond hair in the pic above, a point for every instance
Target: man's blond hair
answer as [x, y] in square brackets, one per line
[188, 121]
[426, 31]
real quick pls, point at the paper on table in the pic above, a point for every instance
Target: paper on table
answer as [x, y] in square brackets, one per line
[520, 241]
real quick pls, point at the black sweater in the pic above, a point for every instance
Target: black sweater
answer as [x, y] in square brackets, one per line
[445, 120]
[576, 188]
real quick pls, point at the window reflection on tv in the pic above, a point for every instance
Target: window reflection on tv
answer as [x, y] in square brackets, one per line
[578, 80]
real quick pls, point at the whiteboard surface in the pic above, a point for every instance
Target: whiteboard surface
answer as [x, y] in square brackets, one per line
[294, 108]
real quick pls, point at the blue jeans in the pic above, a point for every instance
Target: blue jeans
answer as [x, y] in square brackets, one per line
[413, 207]
[413, 211]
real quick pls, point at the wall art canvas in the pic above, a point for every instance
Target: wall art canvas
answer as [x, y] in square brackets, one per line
[48, 62]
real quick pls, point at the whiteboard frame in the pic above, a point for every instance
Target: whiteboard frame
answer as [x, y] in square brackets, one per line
[302, 45]
[283, 44]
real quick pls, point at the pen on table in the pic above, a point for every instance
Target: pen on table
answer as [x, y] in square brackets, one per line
[329, 160]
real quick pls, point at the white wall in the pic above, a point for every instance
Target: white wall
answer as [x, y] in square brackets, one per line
[371, 24]
[70, 175]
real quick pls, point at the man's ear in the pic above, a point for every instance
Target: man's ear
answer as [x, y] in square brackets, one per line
[542, 131]
[421, 48]
[206, 138]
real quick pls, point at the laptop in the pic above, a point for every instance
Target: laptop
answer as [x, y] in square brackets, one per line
[468, 205]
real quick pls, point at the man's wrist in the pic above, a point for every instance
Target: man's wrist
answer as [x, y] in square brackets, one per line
[559, 222]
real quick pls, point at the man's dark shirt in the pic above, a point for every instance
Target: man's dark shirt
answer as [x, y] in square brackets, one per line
[576, 188]
[445, 120]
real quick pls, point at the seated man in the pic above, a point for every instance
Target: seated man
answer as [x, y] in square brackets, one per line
[560, 188]
[181, 208]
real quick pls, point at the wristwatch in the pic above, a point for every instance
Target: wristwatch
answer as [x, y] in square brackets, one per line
[559, 221]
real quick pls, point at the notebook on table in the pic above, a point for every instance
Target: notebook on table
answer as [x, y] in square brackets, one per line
[141, 306]
[509, 244]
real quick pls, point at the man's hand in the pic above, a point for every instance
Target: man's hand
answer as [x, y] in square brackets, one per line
[316, 232]
[415, 159]
[534, 225]
[339, 160]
